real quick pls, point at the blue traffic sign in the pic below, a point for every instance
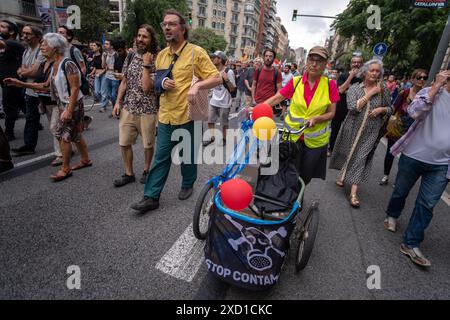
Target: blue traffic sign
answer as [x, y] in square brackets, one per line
[380, 49]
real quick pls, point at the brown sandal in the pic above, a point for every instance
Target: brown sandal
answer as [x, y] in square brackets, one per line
[339, 183]
[354, 201]
[82, 164]
[61, 175]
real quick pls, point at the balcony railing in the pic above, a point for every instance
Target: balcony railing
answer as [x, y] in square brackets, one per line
[28, 8]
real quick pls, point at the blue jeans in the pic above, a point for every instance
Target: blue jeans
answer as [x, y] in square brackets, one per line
[109, 91]
[32, 116]
[98, 87]
[432, 186]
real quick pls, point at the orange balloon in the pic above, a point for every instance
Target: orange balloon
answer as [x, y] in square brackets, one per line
[264, 128]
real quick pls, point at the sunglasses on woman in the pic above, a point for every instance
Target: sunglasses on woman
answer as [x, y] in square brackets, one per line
[422, 78]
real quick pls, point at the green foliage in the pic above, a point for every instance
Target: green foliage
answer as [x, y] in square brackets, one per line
[412, 34]
[95, 20]
[150, 12]
[208, 40]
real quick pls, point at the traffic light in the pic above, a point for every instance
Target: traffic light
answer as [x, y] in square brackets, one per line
[190, 18]
[294, 16]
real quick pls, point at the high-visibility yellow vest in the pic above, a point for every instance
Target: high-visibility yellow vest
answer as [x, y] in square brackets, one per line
[299, 113]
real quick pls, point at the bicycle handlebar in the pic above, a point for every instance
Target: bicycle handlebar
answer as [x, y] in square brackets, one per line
[296, 132]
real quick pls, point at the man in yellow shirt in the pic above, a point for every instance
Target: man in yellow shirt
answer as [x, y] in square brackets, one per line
[174, 110]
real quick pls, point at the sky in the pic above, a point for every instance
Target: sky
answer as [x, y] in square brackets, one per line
[307, 32]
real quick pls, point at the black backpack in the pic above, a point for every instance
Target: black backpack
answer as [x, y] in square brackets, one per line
[84, 88]
[234, 92]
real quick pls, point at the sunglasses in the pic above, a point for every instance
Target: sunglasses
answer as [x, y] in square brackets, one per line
[422, 78]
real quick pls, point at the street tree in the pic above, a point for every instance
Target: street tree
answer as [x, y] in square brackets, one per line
[95, 20]
[208, 40]
[149, 12]
[412, 34]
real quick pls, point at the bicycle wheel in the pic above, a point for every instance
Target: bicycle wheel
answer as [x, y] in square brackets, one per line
[308, 232]
[202, 209]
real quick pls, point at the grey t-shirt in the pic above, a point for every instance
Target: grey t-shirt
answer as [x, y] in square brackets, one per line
[110, 58]
[76, 54]
[431, 143]
[29, 58]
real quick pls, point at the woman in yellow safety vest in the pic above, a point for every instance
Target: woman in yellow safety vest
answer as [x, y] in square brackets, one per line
[313, 103]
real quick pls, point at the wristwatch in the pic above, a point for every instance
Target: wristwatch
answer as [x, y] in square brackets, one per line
[147, 66]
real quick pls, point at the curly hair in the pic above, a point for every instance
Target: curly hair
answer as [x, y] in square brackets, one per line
[153, 39]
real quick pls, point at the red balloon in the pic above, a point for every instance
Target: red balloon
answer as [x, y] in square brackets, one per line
[236, 194]
[262, 110]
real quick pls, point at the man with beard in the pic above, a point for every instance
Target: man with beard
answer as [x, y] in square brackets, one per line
[266, 79]
[185, 60]
[138, 112]
[31, 61]
[11, 52]
[73, 52]
[344, 82]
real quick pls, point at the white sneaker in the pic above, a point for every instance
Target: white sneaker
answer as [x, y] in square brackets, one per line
[390, 224]
[384, 181]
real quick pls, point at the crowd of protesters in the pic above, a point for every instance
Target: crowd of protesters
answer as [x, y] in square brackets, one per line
[150, 91]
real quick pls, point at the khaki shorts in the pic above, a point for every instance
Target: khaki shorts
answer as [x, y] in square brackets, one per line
[131, 125]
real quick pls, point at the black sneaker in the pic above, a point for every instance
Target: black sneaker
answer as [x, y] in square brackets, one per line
[145, 204]
[124, 180]
[144, 177]
[5, 166]
[23, 151]
[185, 193]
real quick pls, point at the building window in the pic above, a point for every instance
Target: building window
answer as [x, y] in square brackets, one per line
[201, 22]
[213, 25]
[202, 11]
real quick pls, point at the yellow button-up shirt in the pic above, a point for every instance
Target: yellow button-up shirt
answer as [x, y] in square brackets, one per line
[174, 108]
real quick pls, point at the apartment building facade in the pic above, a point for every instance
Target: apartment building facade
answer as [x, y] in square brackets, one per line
[232, 19]
[22, 12]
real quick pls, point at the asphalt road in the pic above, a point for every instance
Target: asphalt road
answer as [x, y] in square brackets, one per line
[46, 227]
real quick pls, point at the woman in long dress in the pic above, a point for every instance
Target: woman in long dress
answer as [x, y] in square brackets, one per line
[369, 105]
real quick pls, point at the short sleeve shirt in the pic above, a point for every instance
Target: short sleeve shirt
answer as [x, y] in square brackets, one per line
[77, 55]
[221, 98]
[191, 60]
[30, 57]
[138, 102]
[265, 87]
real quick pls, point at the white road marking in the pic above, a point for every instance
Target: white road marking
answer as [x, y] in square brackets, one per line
[185, 257]
[24, 163]
[445, 196]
